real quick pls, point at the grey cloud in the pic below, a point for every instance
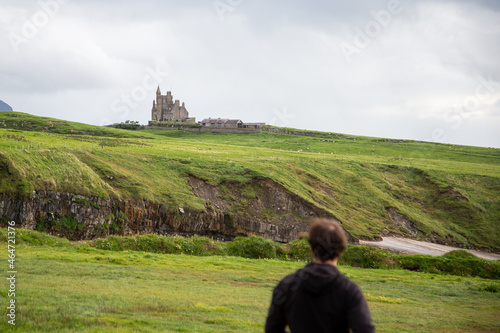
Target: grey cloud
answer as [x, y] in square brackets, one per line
[262, 57]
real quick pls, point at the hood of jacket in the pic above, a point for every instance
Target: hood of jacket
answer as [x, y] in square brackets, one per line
[317, 278]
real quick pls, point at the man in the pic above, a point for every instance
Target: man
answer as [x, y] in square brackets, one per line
[318, 298]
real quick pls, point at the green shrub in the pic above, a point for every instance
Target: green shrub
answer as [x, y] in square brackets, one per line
[459, 254]
[206, 246]
[492, 288]
[31, 237]
[43, 224]
[113, 243]
[147, 243]
[71, 225]
[281, 251]
[116, 227]
[299, 250]
[200, 246]
[87, 202]
[418, 263]
[459, 266]
[252, 247]
[367, 257]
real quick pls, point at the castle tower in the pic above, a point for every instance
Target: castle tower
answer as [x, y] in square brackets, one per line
[154, 112]
[175, 111]
[159, 105]
[169, 97]
[183, 113]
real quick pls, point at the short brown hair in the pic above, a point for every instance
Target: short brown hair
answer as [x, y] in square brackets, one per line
[327, 239]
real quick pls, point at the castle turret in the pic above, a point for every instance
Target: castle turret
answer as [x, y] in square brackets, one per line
[175, 110]
[183, 113]
[159, 105]
[154, 112]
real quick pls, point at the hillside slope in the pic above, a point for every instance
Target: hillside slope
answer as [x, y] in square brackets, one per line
[167, 181]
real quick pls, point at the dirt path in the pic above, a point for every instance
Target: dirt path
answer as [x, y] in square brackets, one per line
[417, 247]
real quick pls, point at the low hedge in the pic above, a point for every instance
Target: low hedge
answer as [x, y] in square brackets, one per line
[458, 262]
[252, 247]
[196, 245]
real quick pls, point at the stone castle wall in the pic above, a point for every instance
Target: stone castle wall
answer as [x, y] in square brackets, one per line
[210, 129]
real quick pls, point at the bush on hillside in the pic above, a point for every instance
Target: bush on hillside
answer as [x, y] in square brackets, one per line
[299, 250]
[196, 245]
[367, 257]
[252, 247]
[281, 251]
[459, 254]
[31, 237]
[474, 266]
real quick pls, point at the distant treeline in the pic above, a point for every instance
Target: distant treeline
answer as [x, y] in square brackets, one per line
[128, 124]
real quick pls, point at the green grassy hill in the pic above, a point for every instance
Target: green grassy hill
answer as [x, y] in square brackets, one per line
[440, 192]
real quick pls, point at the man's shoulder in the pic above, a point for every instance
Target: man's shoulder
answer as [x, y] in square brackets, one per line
[292, 278]
[317, 271]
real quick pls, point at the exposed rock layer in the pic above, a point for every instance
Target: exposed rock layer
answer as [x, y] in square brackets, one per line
[78, 217]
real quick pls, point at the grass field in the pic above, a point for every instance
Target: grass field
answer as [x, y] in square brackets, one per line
[71, 287]
[448, 192]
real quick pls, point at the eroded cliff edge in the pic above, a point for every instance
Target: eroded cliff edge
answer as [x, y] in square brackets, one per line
[262, 207]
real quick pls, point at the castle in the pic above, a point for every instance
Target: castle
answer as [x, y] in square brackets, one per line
[165, 109]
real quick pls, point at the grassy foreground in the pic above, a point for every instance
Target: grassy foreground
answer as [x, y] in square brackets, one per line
[70, 287]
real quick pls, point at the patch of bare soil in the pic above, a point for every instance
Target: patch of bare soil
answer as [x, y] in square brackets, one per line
[401, 222]
[410, 246]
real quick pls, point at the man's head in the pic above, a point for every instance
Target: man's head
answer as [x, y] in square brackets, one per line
[327, 239]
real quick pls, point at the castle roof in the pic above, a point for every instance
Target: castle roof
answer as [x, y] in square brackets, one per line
[233, 121]
[220, 121]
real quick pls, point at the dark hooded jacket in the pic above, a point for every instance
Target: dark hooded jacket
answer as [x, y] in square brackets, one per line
[318, 298]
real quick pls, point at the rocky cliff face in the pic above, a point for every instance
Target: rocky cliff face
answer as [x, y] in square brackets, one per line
[261, 208]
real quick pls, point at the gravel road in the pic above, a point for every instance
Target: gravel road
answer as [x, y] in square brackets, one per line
[411, 246]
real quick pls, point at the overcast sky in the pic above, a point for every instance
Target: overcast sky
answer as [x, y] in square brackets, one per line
[424, 70]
